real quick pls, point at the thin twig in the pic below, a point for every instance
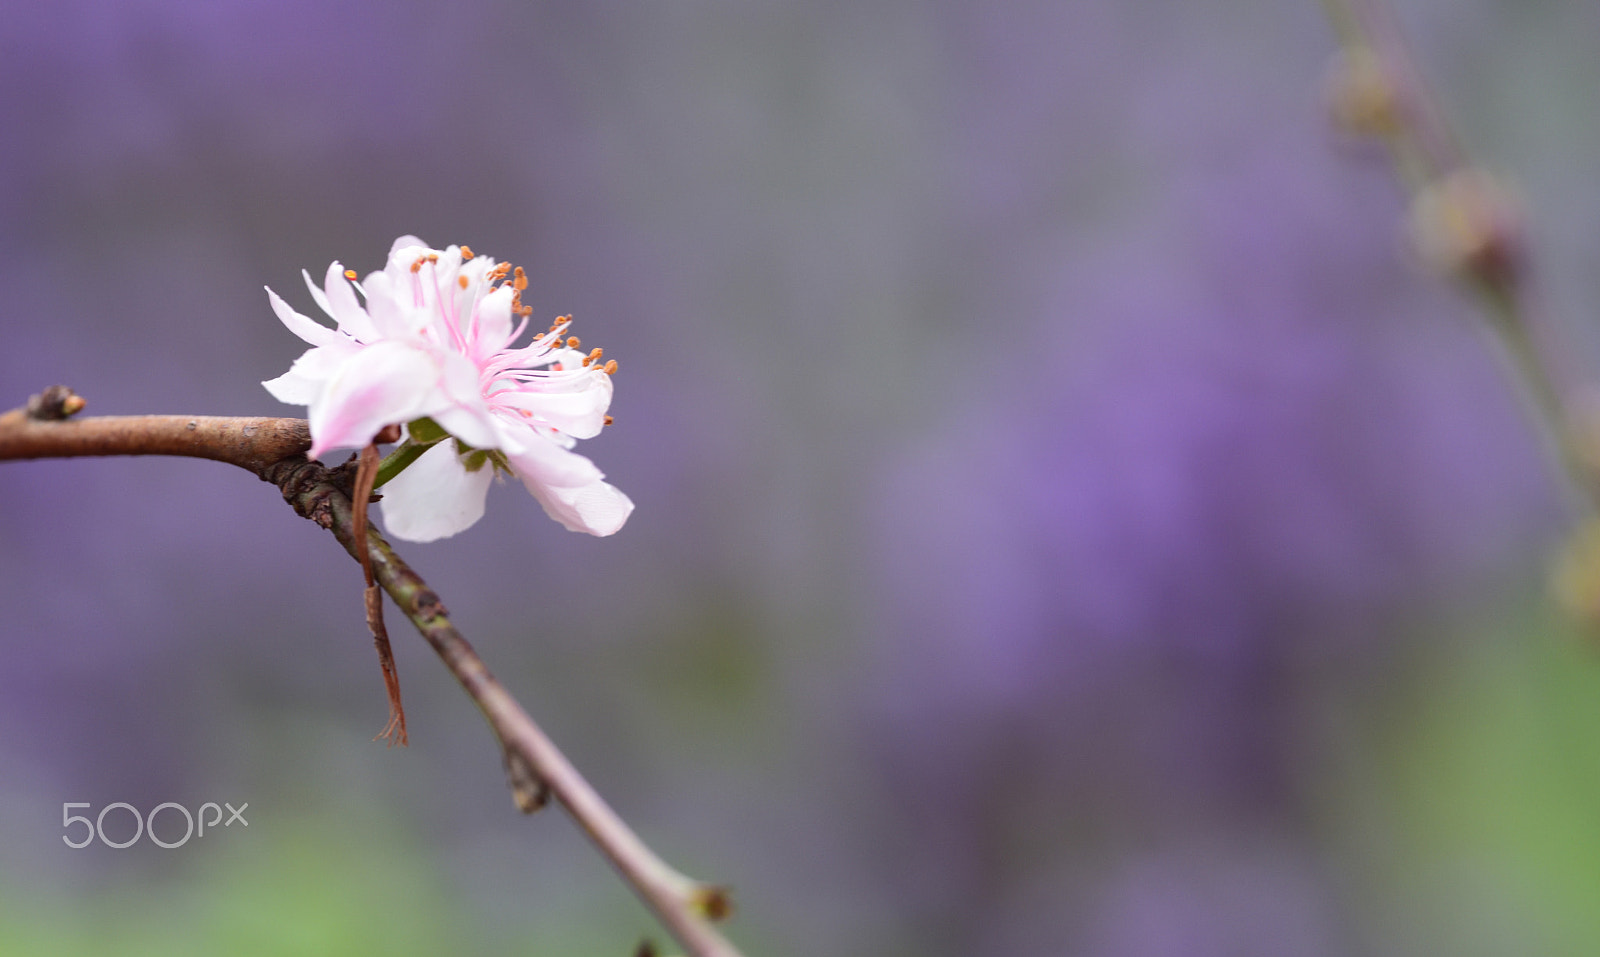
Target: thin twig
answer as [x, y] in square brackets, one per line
[395, 730]
[274, 450]
[1423, 146]
[1490, 262]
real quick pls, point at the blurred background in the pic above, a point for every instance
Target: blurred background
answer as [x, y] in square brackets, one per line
[1069, 522]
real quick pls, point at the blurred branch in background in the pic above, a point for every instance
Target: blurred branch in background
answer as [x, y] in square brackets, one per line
[1466, 222]
[274, 450]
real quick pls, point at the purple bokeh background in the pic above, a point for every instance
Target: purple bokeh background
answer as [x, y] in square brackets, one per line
[1036, 429]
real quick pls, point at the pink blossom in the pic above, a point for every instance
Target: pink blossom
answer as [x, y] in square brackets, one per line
[431, 350]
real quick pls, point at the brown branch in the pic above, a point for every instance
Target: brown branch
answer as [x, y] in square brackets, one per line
[274, 450]
[250, 443]
[682, 904]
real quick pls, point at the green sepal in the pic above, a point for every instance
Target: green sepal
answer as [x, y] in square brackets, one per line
[425, 431]
[474, 459]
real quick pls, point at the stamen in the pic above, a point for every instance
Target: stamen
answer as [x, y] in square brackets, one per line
[611, 367]
[517, 331]
[467, 254]
[350, 274]
[461, 281]
[609, 420]
[573, 343]
[521, 281]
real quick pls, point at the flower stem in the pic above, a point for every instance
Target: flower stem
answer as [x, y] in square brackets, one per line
[395, 462]
[422, 435]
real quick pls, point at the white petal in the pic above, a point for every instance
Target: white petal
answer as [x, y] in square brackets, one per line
[472, 426]
[571, 489]
[309, 375]
[320, 297]
[477, 271]
[494, 319]
[387, 382]
[342, 304]
[459, 375]
[407, 243]
[467, 417]
[576, 406]
[389, 306]
[293, 389]
[303, 326]
[513, 434]
[435, 496]
[544, 463]
[598, 509]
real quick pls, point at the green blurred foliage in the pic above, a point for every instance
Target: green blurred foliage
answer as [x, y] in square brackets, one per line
[310, 887]
[1470, 821]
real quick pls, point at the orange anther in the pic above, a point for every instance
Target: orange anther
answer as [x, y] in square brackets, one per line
[350, 274]
[609, 420]
[461, 281]
[573, 343]
[611, 367]
[467, 253]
